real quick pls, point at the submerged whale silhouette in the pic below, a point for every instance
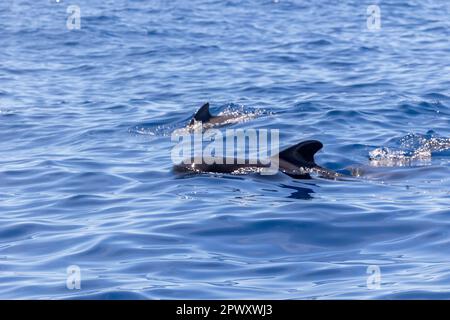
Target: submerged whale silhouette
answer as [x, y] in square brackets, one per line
[296, 161]
[208, 120]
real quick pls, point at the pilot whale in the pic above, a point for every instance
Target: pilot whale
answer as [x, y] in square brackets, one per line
[204, 116]
[296, 161]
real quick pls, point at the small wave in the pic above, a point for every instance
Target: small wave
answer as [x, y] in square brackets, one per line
[412, 149]
[6, 112]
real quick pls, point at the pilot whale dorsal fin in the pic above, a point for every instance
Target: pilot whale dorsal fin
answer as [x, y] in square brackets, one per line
[302, 153]
[202, 114]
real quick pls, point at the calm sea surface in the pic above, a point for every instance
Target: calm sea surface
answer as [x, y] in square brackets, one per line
[86, 179]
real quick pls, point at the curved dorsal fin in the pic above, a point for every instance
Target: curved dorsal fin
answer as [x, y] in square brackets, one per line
[202, 114]
[302, 153]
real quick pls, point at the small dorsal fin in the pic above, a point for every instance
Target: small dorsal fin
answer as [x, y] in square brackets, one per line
[202, 114]
[302, 154]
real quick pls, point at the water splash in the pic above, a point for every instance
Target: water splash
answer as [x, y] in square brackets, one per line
[161, 130]
[412, 149]
[242, 112]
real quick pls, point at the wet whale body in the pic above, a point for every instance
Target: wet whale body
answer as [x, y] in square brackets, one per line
[296, 161]
[204, 116]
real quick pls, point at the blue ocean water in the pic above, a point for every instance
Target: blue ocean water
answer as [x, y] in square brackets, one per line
[86, 175]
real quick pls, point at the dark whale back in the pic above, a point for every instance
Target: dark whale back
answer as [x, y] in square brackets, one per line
[302, 154]
[296, 161]
[202, 114]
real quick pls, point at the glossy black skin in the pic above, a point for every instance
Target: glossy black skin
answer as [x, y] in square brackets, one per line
[296, 161]
[208, 120]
